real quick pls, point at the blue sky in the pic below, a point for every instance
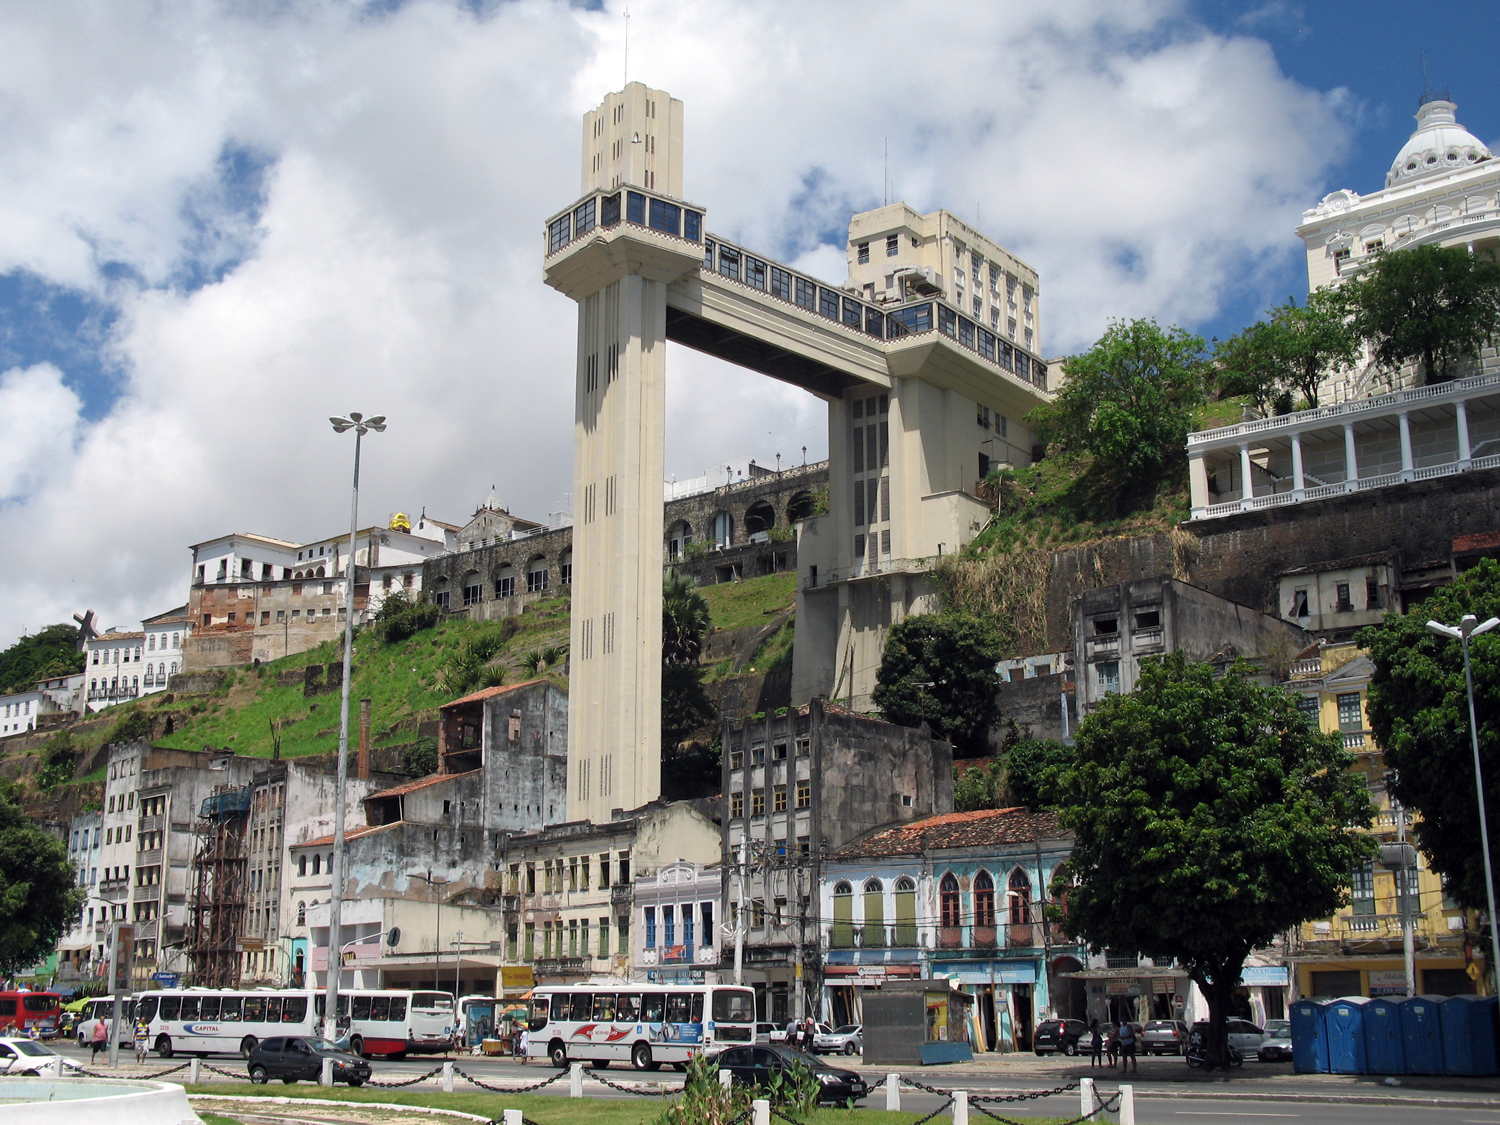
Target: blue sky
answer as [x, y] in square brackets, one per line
[221, 223]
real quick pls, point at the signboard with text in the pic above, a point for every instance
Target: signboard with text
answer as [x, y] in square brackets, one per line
[122, 959]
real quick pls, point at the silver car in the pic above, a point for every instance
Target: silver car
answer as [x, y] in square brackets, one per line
[1164, 1037]
[846, 1040]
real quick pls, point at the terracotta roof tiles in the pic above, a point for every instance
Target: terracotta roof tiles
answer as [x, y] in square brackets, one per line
[980, 828]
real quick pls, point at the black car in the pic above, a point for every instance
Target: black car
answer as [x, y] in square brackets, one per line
[754, 1066]
[1058, 1035]
[301, 1056]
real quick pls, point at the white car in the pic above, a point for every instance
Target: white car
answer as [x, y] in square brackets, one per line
[846, 1040]
[18, 1056]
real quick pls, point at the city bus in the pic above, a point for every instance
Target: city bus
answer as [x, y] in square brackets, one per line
[102, 1008]
[206, 1021]
[20, 1011]
[646, 1024]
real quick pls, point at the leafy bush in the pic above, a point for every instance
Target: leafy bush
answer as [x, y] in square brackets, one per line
[59, 760]
[130, 728]
[420, 758]
[402, 616]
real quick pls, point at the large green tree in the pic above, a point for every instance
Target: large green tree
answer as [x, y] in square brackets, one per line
[685, 706]
[1129, 399]
[1419, 712]
[38, 892]
[1282, 359]
[54, 650]
[1208, 817]
[1438, 304]
[685, 619]
[939, 669]
[1022, 773]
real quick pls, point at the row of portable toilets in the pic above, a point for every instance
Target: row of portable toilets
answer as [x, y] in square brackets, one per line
[1417, 1035]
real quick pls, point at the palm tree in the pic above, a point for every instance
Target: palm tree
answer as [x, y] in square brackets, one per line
[685, 619]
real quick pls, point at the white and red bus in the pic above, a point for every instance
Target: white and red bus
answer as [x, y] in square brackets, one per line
[25, 1010]
[645, 1024]
[392, 1022]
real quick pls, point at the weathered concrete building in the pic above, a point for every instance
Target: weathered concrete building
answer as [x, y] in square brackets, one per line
[798, 786]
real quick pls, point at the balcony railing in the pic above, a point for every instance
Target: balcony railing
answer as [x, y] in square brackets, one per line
[609, 208]
[99, 695]
[620, 895]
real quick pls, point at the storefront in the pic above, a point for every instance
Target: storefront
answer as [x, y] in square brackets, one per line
[1265, 989]
[1140, 994]
[844, 988]
[1010, 999]
[1327, 978]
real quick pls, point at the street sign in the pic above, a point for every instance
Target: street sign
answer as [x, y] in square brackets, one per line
[166, 980]
[122, 959]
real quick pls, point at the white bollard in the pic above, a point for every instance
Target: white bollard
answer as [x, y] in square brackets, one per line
[760, 1112]
[1085, 1097]
[726, 1078]
[960, 1107]
[447, 1076]
[1127, 1105]
[326, 1078]
[511, 1117]
[195, 1071]
[893, 1093]
[575, 1087]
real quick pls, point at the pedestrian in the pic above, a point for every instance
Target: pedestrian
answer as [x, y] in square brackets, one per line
[1096, 1045]
[142, 1041]
[99, 1041]
[1127, 1048]
[809, 1031]
[1112, 1044]
[525, 1044]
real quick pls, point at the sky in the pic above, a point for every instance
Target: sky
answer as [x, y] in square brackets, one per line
[223, 222]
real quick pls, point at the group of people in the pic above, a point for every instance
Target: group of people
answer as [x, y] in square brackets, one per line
[99, 1041]
[1119, 1042]
[800, 1035]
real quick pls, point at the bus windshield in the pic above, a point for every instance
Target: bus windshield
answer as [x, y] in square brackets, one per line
[734, 1006]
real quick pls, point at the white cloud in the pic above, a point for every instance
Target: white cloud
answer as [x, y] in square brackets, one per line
[1143, 165]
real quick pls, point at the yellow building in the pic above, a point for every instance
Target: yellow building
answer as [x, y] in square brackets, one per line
[1358, 951]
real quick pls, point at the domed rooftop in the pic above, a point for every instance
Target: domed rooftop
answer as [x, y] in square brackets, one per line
[1440, 144]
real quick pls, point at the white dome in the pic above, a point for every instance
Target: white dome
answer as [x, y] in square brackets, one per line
[1440, 144]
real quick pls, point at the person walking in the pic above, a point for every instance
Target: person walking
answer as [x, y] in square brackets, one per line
[1127, 1048]
[525, 1043]
[1112, 1044]
[1096, 1045]
[142, 1041]
[99, 1041]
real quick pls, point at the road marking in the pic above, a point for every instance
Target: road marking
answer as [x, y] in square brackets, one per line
[1229, 1113]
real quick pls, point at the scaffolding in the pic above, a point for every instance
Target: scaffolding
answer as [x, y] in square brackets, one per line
[217, 913]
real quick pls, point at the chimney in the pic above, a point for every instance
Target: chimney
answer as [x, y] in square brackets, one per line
[364, 739]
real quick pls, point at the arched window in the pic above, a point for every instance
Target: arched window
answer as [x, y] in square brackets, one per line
[161, 671]
[565, 567]
[473, 588]
[302, 865]
[151, 643]
[317, 863]
[843, 916]
[948, 903]
[799, 507]
[723, 529]
[679, 535]
[759, 517]
[874, 914]
[505, 582]
[320, 573]
[174, 667]
[984, 900]
[302, 914]
[906, 913]
[536, 575]
[1020, 898]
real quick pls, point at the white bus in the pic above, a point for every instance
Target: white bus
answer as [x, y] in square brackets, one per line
[225, 1021]
[647, 1024]
[102, 1008]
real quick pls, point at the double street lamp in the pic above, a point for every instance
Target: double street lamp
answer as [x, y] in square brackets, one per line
[361, 426]
[1470, 626]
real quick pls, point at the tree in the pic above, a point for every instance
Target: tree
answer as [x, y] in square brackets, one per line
[1438, 304]
[685, 619]
[1284, 358]
[939, 669]
[1129, 399]
[1418, 710]
[1208, 816]
[38, 895]
[1022, 773]
[23, 663]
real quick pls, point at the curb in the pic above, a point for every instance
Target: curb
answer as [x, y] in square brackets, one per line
[330, 1101]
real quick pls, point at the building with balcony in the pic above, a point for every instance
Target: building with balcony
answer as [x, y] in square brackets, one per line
[676, 936]
[958, 897]
[1358, 952]
[798, 786]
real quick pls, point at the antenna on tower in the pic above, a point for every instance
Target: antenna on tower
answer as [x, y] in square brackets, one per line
[627, 46]
[1428, 93]
[885, 177]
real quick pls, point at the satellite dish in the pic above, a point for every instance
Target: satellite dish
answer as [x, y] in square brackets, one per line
[393, 938]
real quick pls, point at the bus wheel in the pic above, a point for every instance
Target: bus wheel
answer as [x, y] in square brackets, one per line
[247, 1045]
[558, 1054]
[164, 1046]
[640, 1057]
[357, 1045]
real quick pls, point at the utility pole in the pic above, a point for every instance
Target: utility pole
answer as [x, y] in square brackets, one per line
[739, 921]
[1403, 900]
[458, 964]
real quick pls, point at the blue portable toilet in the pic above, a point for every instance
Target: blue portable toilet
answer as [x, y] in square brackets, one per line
[1309, 1038]
[1422, 1034]
[1384, 1049]
[1469, 1035]
[1344, 1023]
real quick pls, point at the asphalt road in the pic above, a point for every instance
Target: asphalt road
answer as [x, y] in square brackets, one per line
[1250, 1097]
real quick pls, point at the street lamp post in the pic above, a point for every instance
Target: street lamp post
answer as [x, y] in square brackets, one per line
[1470, 626]
[361, 426]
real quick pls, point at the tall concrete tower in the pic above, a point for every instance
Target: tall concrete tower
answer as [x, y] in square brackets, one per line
[619, 277]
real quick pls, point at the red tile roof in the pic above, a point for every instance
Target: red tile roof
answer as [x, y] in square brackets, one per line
[349, 834]
[1481, 541]
[486, 693]
[420, 783]
[979, 828]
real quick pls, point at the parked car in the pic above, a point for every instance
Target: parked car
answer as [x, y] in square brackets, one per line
[1243, 1035]
[1058, 1035]
[1164, 1037]
[769, 1033]
[20, 1056]
[754, 1066]
[297, 1057]
[846, 1040]
[1277, 1045]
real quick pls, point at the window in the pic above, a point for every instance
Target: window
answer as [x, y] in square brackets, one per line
[736, 805]
[864, 253]
[1106, 626]
[1364, 889]
[757, 802]
[891, 243]
[736, 759]
[474, 593]
[778, 799]
[442, 599]
[1374, 246]
[1020, 898]
[1309, 706]
[1299, 603]
[804, 794]
[1372, 593]
[984, 900]
[1350, 717]
[1109, 677]
[1339, 258]
[1341, 593]
[948, 902]
[778, 752]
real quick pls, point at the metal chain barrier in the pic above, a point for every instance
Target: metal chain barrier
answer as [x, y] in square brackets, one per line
[130, 1077]
[508, 1089]
[997, 1098]
[221, 1070]
[1101, 1106]
[940, 1109]
[409, 1082]
[656, 1092]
